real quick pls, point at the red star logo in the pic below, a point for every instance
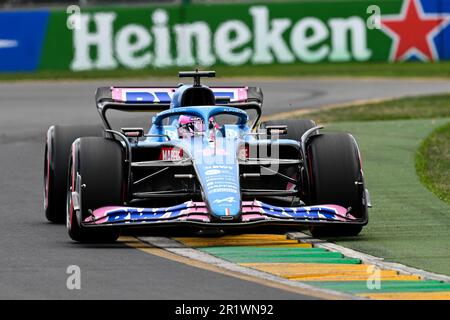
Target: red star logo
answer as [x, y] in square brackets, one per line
[413, 31]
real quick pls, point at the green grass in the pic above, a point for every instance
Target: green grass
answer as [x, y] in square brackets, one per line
[433, 162]
[386, 286]
[404, 69]
[408, 223]
[433, 156]
[426, 107]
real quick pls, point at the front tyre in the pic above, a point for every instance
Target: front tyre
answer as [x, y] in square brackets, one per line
[57, 149]
[336, 178]
[96, 174]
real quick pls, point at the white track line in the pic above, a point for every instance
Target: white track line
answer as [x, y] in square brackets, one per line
[179, 249]
[368, 259]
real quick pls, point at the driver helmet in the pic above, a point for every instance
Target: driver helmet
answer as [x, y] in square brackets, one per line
[190, 125]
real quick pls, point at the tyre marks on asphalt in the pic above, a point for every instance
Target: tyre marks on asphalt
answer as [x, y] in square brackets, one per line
[302, 262]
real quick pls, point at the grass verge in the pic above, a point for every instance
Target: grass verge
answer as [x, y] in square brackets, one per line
[433, 156]
[433, 162]
[403, 69]
[408, 223]
[426, 107]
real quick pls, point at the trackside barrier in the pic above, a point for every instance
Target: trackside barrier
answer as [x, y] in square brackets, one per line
[162, 36]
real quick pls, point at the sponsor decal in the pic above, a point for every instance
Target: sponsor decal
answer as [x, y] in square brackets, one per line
[21, 38]
[221, 186]
[231, 42]
[165, 95]
[171, 154]
[212, 172]
[6, 43]
[414, 32]
[231, 34]
[155, 95]
[228, 200]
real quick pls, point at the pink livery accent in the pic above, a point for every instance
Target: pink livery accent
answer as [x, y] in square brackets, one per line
[253, 217]
[240, 93]
[120, 93]
[196, 217]
[184, 119]
[116, 94]
[198, 211]
[341, 211]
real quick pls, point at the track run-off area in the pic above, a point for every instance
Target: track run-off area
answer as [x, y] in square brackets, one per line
[36, 254]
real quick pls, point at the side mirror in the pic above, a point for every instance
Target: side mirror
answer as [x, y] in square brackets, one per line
[276, 130]
[133, 132]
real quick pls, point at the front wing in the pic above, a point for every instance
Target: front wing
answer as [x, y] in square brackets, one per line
[196, 213]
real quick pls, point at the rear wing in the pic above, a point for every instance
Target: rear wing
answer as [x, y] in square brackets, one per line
[157, 99]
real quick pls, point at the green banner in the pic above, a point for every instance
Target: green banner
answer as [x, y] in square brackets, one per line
[240, 34]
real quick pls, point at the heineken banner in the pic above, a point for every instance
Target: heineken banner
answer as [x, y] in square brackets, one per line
[315, 31]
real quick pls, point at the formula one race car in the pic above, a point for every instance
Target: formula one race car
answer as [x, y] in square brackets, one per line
[203, 163]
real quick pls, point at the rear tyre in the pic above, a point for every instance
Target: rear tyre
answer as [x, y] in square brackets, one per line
[59, 140]
[295, 127]
[336, 178]
[96, 173]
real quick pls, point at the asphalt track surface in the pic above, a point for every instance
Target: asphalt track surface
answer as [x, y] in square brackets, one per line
[35, 254]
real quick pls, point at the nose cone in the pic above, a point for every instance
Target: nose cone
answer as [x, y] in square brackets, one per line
[225, 207]
[221, 189]
[218, 173]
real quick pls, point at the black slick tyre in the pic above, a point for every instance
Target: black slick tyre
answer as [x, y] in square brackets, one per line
[96, 173]
[56, 156]
[336, 178]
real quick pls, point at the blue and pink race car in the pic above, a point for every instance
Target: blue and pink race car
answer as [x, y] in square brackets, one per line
[205, 162]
